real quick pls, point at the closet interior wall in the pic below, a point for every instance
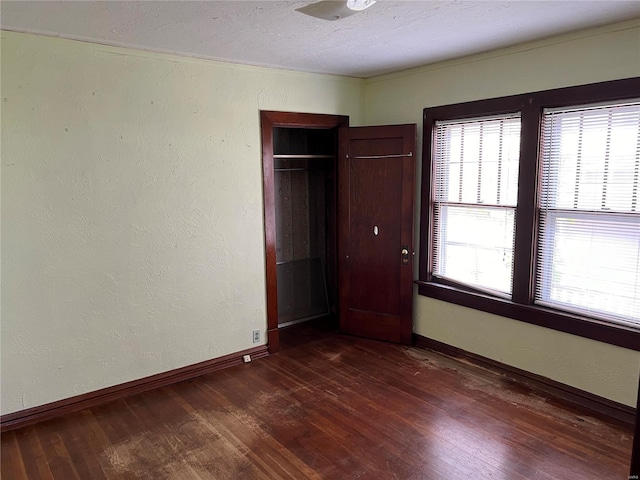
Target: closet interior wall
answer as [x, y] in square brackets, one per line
[305, 203]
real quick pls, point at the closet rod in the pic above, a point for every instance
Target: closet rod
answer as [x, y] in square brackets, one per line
[297, 169]
[282, 156]
[398, 155]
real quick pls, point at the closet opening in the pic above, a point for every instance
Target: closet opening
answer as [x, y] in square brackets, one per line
[305, 210]
[300, 182]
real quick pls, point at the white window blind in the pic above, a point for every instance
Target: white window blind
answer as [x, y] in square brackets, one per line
[589, 226]
[475, 168]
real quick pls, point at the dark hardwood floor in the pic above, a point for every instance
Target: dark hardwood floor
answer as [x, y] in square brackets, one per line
[327, 406]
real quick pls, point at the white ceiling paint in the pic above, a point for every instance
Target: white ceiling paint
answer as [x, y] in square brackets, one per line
[389, 36]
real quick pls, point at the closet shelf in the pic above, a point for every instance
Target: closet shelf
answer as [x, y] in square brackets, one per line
[305, 156]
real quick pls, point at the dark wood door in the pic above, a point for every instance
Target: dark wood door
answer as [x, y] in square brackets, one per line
[376, 178]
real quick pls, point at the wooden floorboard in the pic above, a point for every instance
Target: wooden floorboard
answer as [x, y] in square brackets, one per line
[328, 407]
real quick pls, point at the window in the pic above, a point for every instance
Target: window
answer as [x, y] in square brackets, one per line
[589, 226]
[530, 208]
[476, 185]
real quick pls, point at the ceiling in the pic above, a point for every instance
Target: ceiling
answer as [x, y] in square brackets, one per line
[389, 36]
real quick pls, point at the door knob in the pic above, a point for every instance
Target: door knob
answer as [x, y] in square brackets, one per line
[405, 255]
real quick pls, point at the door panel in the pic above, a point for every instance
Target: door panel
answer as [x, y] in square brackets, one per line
[373, 257]
[376, 176]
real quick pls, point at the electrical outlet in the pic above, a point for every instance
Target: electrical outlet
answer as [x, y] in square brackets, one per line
[256, 336]
[246, 358]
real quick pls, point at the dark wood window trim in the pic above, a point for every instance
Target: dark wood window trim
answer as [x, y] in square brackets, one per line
[521, 306]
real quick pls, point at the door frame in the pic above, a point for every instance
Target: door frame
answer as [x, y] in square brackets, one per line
[268, 120]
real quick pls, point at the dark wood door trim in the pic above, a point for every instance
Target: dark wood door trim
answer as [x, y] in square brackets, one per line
[268, 120]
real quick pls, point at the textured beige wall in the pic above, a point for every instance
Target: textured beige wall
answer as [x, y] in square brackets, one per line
[132, 221]
[585, 57]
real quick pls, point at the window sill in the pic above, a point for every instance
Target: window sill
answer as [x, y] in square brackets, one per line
[619, 335]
